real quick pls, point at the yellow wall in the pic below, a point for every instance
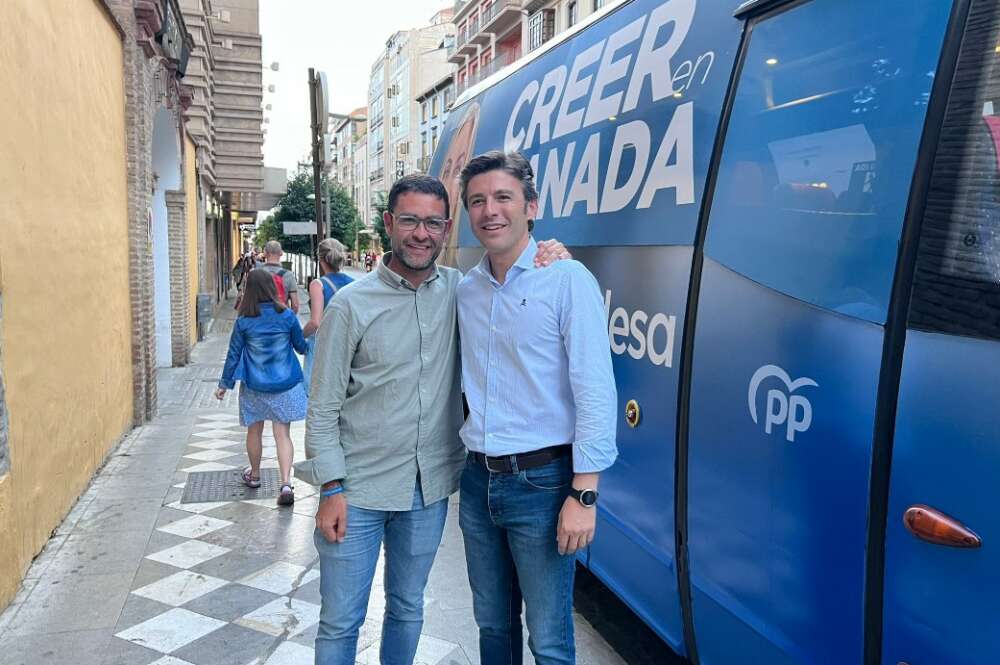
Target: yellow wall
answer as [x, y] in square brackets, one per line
[191, 189]
[66, 323]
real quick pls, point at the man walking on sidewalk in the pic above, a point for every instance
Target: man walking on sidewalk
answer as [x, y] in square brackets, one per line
[382, 428]
[536, 369]
[272, 264]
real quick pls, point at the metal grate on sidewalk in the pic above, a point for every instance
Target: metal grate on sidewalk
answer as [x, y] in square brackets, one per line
[208, 486]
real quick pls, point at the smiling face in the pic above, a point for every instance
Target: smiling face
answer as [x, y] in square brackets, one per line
[414, 251]
[499, 214]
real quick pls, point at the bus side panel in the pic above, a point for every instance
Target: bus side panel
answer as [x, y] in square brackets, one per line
[645, 291]
[778, 475]
[942, 603]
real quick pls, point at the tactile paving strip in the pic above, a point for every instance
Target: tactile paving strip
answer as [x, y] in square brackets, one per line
[208, 486]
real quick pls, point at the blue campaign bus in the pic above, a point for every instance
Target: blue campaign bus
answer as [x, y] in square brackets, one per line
[793, 210]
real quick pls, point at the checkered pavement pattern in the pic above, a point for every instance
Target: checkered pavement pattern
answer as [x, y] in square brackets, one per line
[238, 582]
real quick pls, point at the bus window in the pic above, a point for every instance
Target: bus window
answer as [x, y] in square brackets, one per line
[814, 177]
[957, 281]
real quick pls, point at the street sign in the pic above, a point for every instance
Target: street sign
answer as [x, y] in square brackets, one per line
[299, 228]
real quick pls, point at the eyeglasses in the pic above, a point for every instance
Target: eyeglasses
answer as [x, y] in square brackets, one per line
[434, 225]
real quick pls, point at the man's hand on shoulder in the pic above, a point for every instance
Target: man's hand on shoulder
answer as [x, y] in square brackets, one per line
[550, 251]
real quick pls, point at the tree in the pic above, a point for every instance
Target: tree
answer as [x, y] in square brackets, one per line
[380, 206]
[296, 206]
[344, 216]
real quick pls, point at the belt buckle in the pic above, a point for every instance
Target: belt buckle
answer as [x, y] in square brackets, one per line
[486, 458]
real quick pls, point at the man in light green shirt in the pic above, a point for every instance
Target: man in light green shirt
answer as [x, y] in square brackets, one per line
[382, 427]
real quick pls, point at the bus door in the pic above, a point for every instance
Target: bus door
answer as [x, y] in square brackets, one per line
[799, 256]
[942, 568]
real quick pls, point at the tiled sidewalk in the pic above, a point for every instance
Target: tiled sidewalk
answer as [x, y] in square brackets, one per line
[133, 577]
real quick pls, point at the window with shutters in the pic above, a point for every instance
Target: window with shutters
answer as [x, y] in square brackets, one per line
[541, 27]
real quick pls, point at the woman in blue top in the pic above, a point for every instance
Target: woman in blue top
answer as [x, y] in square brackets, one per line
[261, 357]
[331, 257]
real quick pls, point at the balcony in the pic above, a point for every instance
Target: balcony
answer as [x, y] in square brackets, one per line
[487, 71]
[498, 19]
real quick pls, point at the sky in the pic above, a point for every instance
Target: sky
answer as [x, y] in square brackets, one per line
[340, 38]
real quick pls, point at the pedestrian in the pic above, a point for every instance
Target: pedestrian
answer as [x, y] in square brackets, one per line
[382, 428]
[331, 255]
[284, 280]
[262, 357]
[537, 374]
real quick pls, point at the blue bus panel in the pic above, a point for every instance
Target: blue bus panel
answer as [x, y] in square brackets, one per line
[782, 408]
[942, 604]
[618, 122]
[800, 253]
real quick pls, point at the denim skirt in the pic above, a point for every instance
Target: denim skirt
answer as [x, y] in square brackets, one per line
[283, 407]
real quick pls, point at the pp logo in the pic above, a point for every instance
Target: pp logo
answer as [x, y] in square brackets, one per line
[783, 407]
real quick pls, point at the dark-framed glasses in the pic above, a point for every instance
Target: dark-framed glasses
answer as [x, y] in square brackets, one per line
[434, 225]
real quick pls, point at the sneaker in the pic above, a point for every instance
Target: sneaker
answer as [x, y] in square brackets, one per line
[286, 497]
[249, 480]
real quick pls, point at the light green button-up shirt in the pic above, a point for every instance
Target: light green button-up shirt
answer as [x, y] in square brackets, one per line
[385, 402]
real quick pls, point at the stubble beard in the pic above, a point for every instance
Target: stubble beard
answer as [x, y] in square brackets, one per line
[399, 251]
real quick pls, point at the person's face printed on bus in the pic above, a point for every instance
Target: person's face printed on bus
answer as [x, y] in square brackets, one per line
[458, 153]
[415, 229]
[498, 212]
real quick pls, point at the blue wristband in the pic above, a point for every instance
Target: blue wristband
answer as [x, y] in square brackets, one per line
[333, 490]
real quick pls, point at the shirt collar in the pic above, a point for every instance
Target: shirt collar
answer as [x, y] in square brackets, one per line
[526, 261]
[390, 277]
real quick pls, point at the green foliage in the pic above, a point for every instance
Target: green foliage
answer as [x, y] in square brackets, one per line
[344, 218]
[269, 229]
[297, 206]
[380, 206]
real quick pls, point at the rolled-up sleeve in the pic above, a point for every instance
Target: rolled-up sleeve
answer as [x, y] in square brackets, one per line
[591, 376]
[335, 346]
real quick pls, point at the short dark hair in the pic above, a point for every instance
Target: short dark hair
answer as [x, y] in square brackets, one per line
[513, 163]
[421, 184]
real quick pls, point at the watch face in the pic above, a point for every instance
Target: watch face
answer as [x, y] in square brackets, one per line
[588, 497]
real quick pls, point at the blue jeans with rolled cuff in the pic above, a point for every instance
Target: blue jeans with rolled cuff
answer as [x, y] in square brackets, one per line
[508, 523]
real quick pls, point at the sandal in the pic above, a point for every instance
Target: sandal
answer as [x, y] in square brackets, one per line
[286, 496]
[248, 478]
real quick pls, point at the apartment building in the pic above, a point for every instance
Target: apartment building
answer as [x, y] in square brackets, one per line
[412, 61]
[544, 19]
[349, 158]
[488, 37]
[434, 104]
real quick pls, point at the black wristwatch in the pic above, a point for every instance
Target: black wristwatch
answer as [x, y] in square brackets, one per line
[587, 498]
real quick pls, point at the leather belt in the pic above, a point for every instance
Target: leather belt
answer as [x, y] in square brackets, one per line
[522, 461]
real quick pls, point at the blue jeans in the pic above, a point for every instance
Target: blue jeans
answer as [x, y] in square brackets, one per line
[509, 524]
[347, 569]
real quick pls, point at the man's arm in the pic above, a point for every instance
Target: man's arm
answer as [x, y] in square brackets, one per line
[325, 464]
[293, 294]
[335, 344]
[592, 381]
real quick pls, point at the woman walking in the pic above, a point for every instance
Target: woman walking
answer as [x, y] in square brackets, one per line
[262, 358]
[331, 257]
